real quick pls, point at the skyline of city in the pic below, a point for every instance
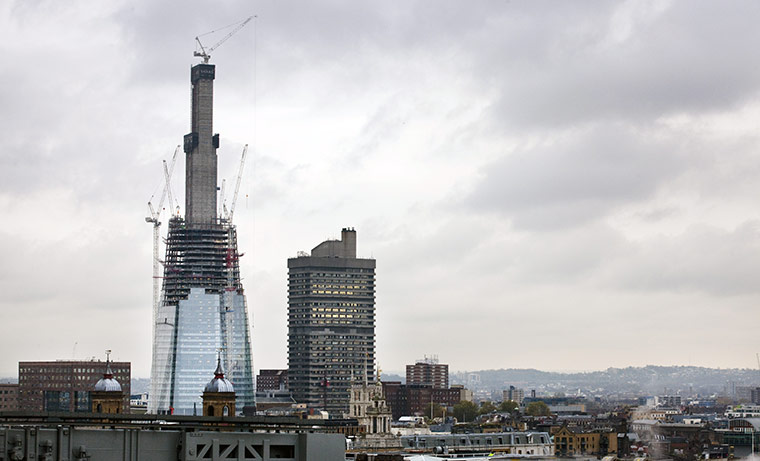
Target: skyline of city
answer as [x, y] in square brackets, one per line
[576, 181]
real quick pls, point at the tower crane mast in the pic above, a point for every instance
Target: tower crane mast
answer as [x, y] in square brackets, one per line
[237, 184]
[155, 214]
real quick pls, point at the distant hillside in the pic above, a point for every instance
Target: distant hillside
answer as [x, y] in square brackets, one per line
[646, 380]
[393, 377]
[139, 385]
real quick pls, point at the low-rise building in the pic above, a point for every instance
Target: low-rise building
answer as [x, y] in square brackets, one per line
[272, 380]
[744, 411]
[573, 441]
[518, 443]
[66, 385]
[407, 400]
[8, 397]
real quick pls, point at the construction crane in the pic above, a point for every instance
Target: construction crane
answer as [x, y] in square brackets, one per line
[222, 198]
[154, 219]
[206, 53]
[168, 177]
[232, 258]
[228, 214]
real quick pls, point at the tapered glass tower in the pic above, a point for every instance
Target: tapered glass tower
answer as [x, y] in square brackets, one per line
[203, 308]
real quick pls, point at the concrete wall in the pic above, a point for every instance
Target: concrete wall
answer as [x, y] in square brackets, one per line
[72, 443]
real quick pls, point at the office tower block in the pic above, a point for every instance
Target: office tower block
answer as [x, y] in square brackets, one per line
[514, 394]
[331, 323]
[428, 372]
[203, 308]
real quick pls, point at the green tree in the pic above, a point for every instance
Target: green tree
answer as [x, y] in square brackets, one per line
[508, 406]
[537, 409]
[465, 411]
[437, 410]
[486, 408]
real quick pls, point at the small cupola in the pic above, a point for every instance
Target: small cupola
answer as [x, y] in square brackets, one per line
[219, 394]
[107, 395]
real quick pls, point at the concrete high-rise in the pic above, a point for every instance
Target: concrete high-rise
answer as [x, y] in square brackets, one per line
[203, 307]
[331, 323]
[428, 372]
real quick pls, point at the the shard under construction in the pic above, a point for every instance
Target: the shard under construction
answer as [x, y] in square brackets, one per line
[202, 309]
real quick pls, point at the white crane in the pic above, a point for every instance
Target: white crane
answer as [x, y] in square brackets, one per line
[228, 214]
[222, 197]
[232, 255]
[173, 206]
[206, 53]
[154, 219]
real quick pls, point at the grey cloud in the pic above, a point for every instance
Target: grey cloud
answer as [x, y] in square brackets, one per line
[703, 259]
[575, 178]
[689, 57]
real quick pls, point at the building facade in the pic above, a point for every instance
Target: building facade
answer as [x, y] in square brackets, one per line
[514, 394]
[331, 323]
[575, 441]
[8, 397]
[272, 380]
[415, 399]
[203, 306]
[66, 385]
[428, 372]
[368, 406]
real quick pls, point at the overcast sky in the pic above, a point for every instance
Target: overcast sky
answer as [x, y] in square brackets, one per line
[546, 184]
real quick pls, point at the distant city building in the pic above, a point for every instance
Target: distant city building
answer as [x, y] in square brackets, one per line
[428, 372]
[331, 323]
[744, 393]
[667, 401]
[567, 409]
[272, 380]
[514, 394]
[464, 393]
[473, 380]
[138, 403]
[744, 411]
[8, 397]
[755, 395]
[66, 385]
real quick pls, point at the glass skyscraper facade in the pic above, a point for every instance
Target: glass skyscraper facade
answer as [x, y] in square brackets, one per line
[202, 311]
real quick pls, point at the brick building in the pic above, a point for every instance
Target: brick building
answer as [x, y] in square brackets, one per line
[65, 385]
[428, 372]
[577, 441]
[415, 399]
[272, 380]
[8, 397]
